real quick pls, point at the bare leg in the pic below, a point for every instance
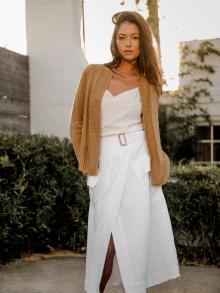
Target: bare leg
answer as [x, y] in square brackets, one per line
[108, 265]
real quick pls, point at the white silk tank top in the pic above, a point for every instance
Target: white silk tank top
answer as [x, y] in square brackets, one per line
[121, 113]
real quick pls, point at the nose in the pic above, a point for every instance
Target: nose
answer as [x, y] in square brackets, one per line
[128, 42]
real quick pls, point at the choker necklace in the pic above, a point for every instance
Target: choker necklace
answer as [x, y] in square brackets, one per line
[125, 75]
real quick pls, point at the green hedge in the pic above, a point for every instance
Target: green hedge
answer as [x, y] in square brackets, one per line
[44, 201]
[192, 196]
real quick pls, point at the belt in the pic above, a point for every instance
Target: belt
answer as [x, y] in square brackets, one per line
[124, 138]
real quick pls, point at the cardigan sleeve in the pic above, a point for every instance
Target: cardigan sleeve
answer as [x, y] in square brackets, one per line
[157, 94]
[77, 113]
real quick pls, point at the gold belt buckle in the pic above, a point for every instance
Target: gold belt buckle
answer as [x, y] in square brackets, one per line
[119, 136]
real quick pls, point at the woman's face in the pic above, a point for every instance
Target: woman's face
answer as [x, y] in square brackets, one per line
[128, 40]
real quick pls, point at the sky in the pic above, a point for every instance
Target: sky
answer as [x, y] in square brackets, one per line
[180, 20]
[12, 25]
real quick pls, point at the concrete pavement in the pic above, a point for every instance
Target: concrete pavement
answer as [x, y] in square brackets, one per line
[66, 275]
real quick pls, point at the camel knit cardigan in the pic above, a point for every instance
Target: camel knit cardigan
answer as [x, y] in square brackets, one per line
[85, 122]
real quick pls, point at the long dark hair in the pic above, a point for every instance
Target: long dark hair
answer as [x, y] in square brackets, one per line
[147, 62]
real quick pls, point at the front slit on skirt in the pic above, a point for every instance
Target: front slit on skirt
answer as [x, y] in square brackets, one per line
[124, 203]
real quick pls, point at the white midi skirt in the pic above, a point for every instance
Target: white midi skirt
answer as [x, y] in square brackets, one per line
[123, 202]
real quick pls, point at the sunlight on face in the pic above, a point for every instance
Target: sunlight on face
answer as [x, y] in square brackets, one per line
[128, 39]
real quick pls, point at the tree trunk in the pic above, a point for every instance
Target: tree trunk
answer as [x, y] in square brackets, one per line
[153, 20]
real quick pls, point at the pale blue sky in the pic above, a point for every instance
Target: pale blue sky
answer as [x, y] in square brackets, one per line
[180, 20]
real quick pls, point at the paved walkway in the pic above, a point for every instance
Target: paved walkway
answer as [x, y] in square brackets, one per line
[66, 275]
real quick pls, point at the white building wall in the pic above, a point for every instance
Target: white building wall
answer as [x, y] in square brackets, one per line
[56, 61]
[213, 106]
[208, 151]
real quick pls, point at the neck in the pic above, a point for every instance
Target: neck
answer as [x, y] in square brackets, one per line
[127, 68]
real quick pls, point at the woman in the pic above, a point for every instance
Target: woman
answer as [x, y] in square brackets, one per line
[115, 134]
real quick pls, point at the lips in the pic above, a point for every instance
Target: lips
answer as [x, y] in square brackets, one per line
[128, 51]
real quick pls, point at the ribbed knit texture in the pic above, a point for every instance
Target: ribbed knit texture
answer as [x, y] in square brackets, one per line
[85, 122]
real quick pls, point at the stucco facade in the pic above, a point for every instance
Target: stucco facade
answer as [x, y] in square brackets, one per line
[56, 60]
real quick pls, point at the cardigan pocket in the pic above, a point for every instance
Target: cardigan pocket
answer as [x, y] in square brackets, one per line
[167, 167]
[93, 179]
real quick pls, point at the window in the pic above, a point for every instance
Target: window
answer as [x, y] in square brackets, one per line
[216, 146]
[208, 150]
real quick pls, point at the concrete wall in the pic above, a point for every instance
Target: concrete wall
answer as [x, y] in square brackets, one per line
[14, 92]
[56, 62]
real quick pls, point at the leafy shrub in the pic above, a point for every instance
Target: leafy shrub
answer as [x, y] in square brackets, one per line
[193, 194]
[43, 198]
[44, 201]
